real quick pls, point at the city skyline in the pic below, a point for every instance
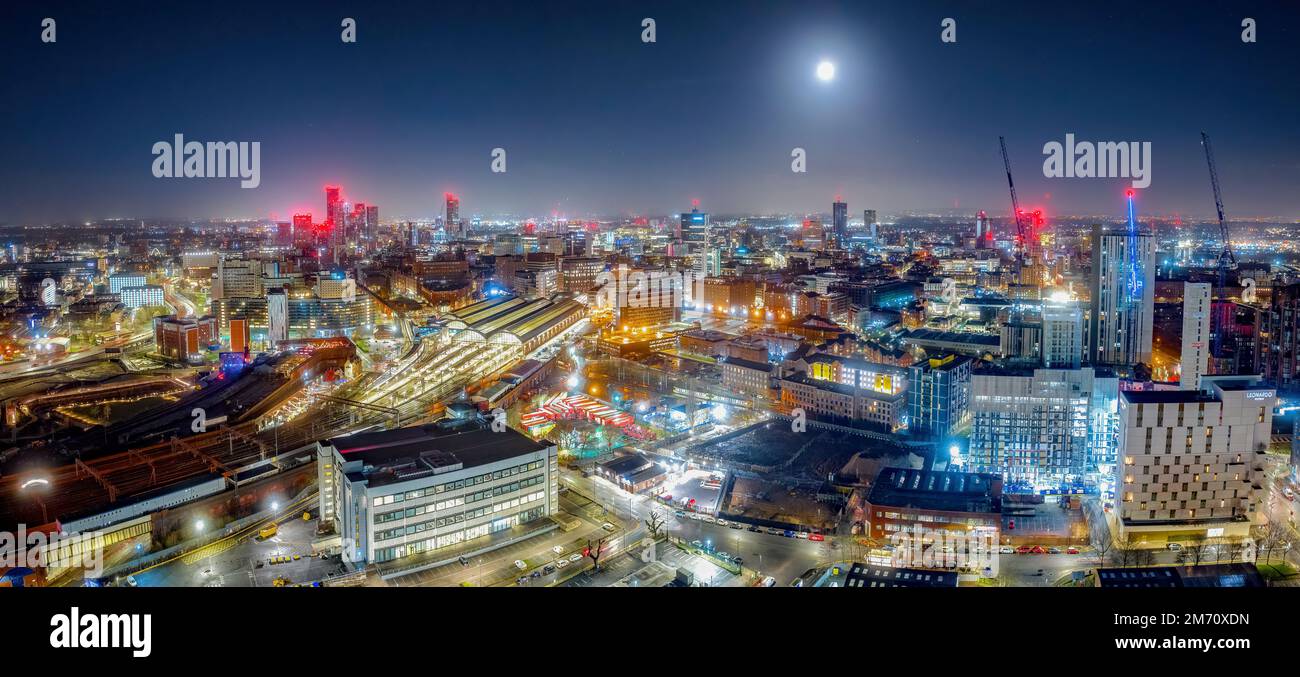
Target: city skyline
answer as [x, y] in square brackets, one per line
[594, 121]
[905, 297]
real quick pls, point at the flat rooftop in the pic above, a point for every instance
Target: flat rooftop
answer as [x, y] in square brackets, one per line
[432, 448]
[935, 490]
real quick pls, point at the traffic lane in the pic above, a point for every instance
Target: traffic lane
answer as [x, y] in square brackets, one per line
[781, 557]
[1029, 570]
[498, 566]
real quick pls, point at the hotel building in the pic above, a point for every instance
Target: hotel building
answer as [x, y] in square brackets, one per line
[1189, 461]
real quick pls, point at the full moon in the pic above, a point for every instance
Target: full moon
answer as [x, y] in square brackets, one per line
[825, 71]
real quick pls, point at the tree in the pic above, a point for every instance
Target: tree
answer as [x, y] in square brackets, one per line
[1273, 538]
[654, 523]
[1126, 554]
[594, 551]
[1103, 546]
[1196, 550]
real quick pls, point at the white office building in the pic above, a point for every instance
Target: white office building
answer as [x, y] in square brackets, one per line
[412, 491]
[120, 281]
[141, 296]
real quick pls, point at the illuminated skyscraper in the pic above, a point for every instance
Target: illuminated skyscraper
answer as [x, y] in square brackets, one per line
[1123, 303]
[372, 222]
[1196, 334]
[840, 221]
[695, 230]
[302, 231]
[333, 207]
[277, 315]
[452, 225]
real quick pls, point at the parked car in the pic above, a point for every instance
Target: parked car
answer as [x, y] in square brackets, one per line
[1038, 550]
[721, 522]
[1024, 549]
[697, 544]
[736, 525]
[787, 533]
[561, 563]
[1071, 551]
[801, 534]
[769, 582]
[1054, 550]
[816, 537]
[737, 560]
[679, 513]
[724, 555]
[1175, 547]
[575, 557]
[754, 529]
[130, 580]
[1007, 550]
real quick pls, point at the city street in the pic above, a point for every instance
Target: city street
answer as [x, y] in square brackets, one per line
[781, 557]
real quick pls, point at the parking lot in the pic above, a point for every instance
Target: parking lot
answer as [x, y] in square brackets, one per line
[252, 562]
[1047, 520]
[690, 486]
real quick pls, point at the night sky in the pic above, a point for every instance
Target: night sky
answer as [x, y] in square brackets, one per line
[595, 122]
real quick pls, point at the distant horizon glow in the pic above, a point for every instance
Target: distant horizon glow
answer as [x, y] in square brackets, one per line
[597, 123]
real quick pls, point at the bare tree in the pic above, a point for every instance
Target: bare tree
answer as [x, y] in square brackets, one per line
[1273, 538]
[654, 523]
[1196, 551]
[1126, 555]
[1103, 547]
[594, 551]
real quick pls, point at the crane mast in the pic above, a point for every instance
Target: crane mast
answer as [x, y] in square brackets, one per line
[1227, 259]
[1022, 237]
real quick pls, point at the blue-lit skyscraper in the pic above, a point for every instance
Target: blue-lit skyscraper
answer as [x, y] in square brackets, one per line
[1123, 305]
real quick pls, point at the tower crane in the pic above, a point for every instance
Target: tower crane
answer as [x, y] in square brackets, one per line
[1022, 236]
[1227, 259]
